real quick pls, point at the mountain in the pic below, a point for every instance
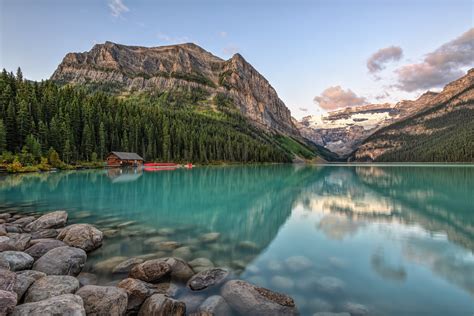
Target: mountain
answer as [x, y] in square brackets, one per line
[128, 70]
[344, 130]
[442, 132]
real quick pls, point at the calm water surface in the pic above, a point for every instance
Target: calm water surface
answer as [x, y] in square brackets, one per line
[397, 239]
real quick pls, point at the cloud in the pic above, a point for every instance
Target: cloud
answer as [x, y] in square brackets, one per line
[336, 97]
[171, 39]
[223, 34]
[117, 7]
[377, 61]
[303, 109]
[439, 67]
[230, 50]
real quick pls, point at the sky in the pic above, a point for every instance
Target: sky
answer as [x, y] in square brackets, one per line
[319, 55]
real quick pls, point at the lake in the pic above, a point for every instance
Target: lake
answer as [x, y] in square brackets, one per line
[381, 240]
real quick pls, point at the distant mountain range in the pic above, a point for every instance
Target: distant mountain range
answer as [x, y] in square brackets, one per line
[374, 132]
[382, 132]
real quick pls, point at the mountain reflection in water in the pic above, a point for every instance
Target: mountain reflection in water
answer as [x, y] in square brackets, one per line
[397, 239]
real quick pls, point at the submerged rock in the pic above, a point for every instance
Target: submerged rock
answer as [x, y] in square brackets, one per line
[248, 299]
[51, 220]
[103, 300]
[207, 278]
[282, 282]
[331, 314]
[215, 305]
[67, 304]
[201, 264]
[329, 284]
[160, 305]
[106, 266]
[50, 286]
[17, 260]
[298, 263]
[83, 236]
[192, 301]
[86, 278]
[127, 265]
[184, 253]
[42, 247]
[8, 301]
[248, 245]
[62, 261]
[210, 237]
[180, 270]
[167, 245]
[151, 270]
[355, 309]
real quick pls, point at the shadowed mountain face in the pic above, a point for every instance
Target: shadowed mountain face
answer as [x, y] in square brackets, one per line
[443, 131]
[129, 69]
[351, 129]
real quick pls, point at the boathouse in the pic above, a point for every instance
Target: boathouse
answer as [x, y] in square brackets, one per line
[122, 159]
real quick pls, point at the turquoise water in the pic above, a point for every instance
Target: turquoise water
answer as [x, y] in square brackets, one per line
[398, 240]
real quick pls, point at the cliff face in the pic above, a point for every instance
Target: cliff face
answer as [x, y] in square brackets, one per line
[139, 69]
[442, 131]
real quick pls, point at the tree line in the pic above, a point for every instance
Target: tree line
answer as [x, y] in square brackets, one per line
[40, 118]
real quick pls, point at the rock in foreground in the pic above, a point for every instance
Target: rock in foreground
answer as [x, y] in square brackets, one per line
[67, 304]
[249, 299]
[103, 300]
[82, 236]
[160, 305]
[62, 261]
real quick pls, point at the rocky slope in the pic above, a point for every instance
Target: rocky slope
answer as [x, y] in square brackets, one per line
[442, 132]
[344, 130]
[129, 69]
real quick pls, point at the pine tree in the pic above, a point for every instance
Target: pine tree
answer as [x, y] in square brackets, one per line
[3, 137]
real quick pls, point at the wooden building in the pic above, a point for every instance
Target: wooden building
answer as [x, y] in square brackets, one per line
[122, 159]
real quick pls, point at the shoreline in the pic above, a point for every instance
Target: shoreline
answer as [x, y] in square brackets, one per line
[42, 260]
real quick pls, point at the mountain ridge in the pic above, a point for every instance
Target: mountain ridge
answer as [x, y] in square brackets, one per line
[129, 69]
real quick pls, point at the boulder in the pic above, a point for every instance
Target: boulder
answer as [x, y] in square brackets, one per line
[40, 248]
[355, 309]
[298, 263]
[248, 245]
[3, 230]
[86, 278]
[282, 282]
[160, 305]
[138, 291]
[248, 299]
[67, 304]
[103, 300]
[51, 220]
[20, 241]
[24, 279]
[45, 233]
[127, 265]
[201, 264]
[107, 265]
[61, 261]
[8, 302]
[331, 314]
[151, 270]
[17, 260]
[209, 237]
[192, 300]
[180, 270]
[184, 253]
[207, 278]
[7, 280]
[24, 221]
[215, 305]
[51, 285]
[166, 245]
[83, 236]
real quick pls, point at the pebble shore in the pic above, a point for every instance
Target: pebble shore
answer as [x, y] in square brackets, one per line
[41, 273]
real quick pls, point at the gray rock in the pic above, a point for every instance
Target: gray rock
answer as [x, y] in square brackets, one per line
[215, 305]
[40, 248]
[151, 270]
[138, 291]
[62, 261]
[180, 270]
[49, 286]
[45, 233]
[8, 302]
[24, 220]
[17, 260]
[210, 237]
[248, 299]
[166, 245]
[330, 285]
[3, 230]
[7, 280]
[24, 279]
[201, 264]
[107, 265]
[127, 265]
[86, 278]
[207, 278]
[103, 300]
[282, 283]
[248, 245]
[319, 305]
[184, 253]
[82, 236]
[51, 220]
[67, 304]
[20, 241]
[160, 305]
[192, 301]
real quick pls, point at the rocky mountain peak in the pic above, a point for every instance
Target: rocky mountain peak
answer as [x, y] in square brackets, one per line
[183, 66]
